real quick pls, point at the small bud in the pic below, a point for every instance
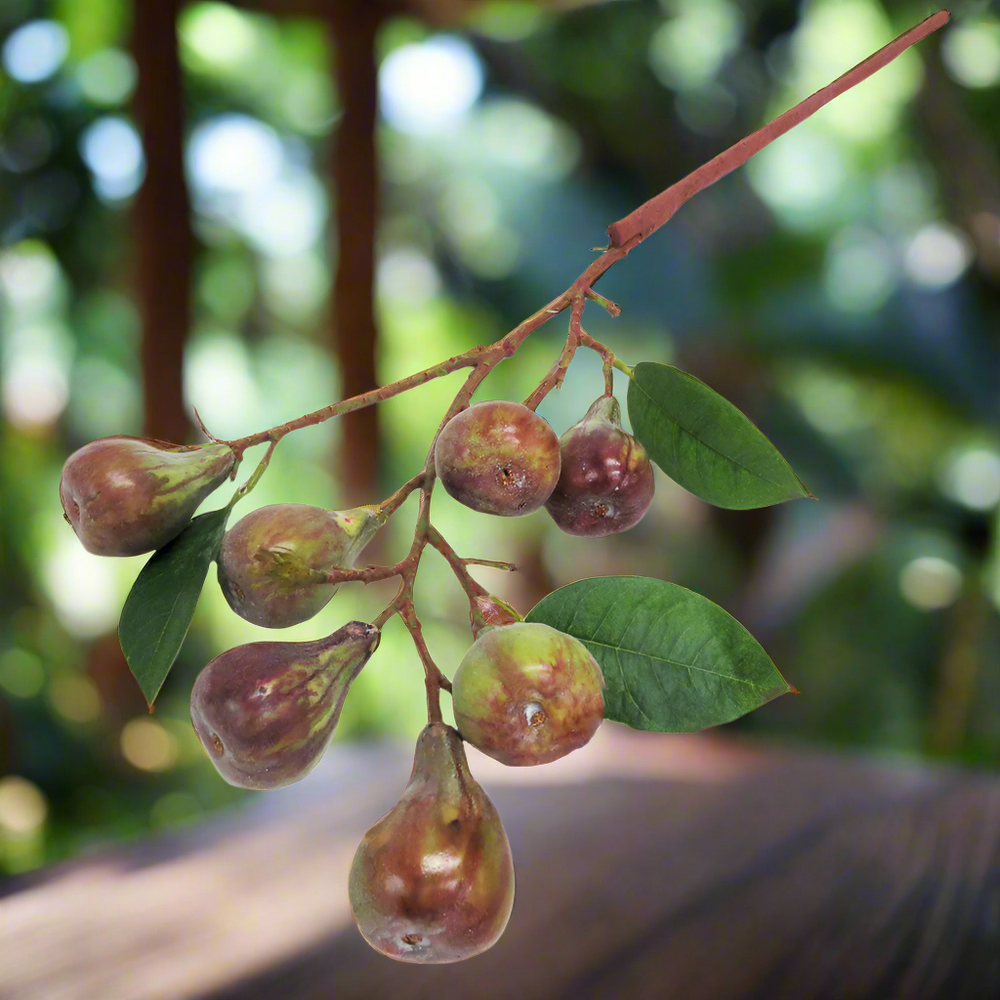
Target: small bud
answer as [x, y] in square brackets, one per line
[490, 611]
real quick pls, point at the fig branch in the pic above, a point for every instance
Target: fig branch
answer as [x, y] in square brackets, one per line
[525, 692]
[623, 236]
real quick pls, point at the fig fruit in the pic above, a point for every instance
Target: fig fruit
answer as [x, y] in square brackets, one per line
[433, 880]
[127, 495]
[526, 694]
[274, 562]
[265, 712]
[498, 457]
[606, 479]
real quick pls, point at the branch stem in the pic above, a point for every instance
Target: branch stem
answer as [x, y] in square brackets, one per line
[628, 233]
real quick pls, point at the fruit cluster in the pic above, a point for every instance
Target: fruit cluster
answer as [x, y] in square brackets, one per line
[433, 880]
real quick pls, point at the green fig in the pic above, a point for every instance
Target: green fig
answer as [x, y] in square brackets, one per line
[498, 457]
[606, 478]
[265, 712]
[274, 562]
[126, 495]
[526, 694]
[433, 880]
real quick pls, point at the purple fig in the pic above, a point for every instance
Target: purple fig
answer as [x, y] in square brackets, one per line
[527, 694]
[498, 457]
[274, 562]
[433, 880]
[126, 495]
[265, 712]
[606, 482]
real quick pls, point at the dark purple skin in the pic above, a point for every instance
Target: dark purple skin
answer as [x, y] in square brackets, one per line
[126, 495]
[498, 458]
[265, 712]
[606, 482]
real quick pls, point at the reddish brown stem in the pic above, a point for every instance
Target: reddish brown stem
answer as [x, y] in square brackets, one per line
[629, 232]
[434, 680]
[458, 565]
[557, 372]
[607, 359]
[624, 235]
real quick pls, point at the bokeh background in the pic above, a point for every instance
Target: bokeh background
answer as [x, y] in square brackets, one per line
[195, 226]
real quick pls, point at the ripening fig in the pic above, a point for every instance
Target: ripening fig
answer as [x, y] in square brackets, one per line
[274, 562]
[526, 693]
[498, 457]
[127, 495]
[606, 482]
[265, 712]
[433, 880]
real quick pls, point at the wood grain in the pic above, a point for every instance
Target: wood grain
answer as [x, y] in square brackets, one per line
[647, 867]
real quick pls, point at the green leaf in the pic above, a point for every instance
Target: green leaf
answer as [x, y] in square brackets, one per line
[160, 606]
[673, 661]
[704, 443]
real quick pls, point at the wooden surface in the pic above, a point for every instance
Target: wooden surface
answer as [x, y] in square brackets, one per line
[647, 867]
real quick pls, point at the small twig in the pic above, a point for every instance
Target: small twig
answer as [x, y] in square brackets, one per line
[257, 473]
[472, 587]
[557, 373]
[370, 574]
[613, 309]
[391, 504]
[392, 608]
[607, 359]
[203, 428]
[492, 564]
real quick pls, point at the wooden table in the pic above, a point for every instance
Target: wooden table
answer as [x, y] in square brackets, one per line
[700, 868]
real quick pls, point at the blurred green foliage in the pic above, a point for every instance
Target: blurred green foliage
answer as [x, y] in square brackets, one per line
[844, 290]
